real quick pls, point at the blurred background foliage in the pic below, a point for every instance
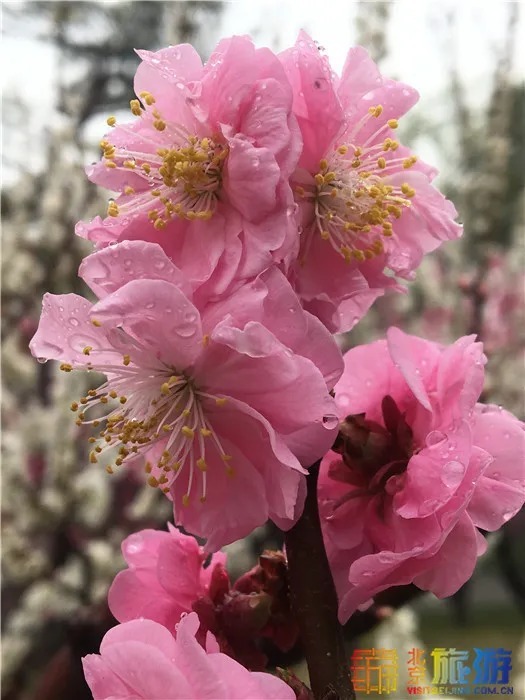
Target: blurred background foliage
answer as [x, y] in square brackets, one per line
[63, 518]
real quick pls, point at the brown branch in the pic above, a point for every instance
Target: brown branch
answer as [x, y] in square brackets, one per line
[314, 602]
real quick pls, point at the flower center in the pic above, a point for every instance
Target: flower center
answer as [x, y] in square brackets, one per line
[156, 405]
[354, 205]
[181, 172]
[375, 456]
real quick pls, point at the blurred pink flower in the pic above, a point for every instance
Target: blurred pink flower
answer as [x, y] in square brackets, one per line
[165, 577]
[418, 466]
[225, 401]
[366, 203]
[142, 660]
[207, 163]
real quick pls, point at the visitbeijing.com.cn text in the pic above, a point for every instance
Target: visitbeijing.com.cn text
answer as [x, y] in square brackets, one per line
[459, 690]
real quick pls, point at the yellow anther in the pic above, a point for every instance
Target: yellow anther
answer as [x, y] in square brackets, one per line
[359, 255]
[205, 340]
[147, 97]
[159, 124]
[113, 209]
[66, 367]
[185, 413]
[113, 394]
[135, 107]
[123, 399]
[202, 464]
[93, 457]
[221, 401]
[165, 389]
[205, 432]
[343, 150]
[325, 235]
[323, 164]
[126, 360]
[226, 458]
[111, 121]
[148, 468]
[130, 164]
[186, 500]
[381, 162]
[83, 401]
[300, 191]
[159, 224]
[376, 111]
[109, 469]
[409, 162]
[152, 481]
[74, 406]
[129, 190]
[110, 164]
[187, 432]
[176, 466]
[393, 123]
[319, 179]
[146, 167]
[356, 163]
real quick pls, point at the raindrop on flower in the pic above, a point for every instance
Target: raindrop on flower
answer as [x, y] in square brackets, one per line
[452, 474]
[435, 437]
[330, 421]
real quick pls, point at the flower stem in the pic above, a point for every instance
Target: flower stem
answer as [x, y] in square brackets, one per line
[314, 602]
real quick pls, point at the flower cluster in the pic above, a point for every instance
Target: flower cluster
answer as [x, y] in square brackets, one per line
[262, 204]
[418, 466]
[262, 200]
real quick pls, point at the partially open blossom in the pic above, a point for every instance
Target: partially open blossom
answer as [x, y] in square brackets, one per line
[207, 161]
[165, 576]
[225, 402]
[366, 203]
[417, 468]
[142, 660]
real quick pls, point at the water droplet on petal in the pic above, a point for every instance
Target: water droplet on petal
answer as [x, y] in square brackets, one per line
[134, 544]
[435, 437]
[185, 330]
[330, 421]
[42, 360]
[452, 474]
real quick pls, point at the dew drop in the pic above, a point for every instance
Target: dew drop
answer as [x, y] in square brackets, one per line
[74, 321]
[42, 360]
[134, 544]
[330, 421]
[190, 317]
[436, 437]
[185, 330]
[149, 305]
[452, 474]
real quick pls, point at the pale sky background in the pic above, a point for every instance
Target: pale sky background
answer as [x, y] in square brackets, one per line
[418, 40]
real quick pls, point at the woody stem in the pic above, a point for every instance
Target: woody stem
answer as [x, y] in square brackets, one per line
[314, 602]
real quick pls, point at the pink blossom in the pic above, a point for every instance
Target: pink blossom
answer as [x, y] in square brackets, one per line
[366, 203]
[225, 400]
[141, 660]
[204, 170]
[165, 577]
[418, 466]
